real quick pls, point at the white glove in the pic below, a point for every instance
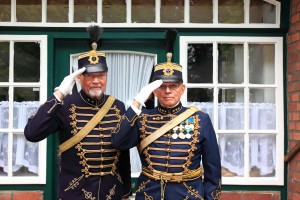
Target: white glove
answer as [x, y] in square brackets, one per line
[67, 84]
[146, 91]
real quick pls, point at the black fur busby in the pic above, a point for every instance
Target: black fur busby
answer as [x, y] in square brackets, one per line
[93, 61]
[168, 71]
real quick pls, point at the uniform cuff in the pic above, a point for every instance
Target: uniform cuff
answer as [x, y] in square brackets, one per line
[136, 110]
[58, 99]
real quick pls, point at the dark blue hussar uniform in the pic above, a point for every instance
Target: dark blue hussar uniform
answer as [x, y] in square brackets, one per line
[173, 161]
[93, 168]
[182, 163]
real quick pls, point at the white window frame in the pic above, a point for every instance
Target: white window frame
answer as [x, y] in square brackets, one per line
[156, 24]
[278, 179]
[42, 85]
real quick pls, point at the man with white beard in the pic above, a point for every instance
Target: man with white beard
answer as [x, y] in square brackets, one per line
[90, 168]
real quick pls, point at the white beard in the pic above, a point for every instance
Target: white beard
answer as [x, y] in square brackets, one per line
[95, 94]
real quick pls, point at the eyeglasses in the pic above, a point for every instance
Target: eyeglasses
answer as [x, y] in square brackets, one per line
[171, 87]
[91, 77]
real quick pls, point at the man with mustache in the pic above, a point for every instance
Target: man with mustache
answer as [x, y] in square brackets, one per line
[90, 168]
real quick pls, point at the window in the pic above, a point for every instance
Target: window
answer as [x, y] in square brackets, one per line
[23, 85]
[142, 13]
[238, 81]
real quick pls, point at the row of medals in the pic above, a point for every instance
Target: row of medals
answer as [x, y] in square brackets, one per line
[184, 131]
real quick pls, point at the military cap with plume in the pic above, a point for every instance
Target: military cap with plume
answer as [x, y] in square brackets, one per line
[168, 71]
[93, 61]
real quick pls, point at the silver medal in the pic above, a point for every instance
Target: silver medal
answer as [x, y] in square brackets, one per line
[181, 135]
[188, 136]
[174, 136]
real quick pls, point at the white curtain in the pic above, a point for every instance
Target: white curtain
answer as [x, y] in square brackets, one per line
[24, 153]
[262, 116]
[128, 72]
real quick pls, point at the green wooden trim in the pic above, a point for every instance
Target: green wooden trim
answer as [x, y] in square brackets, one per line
[50, 191]
[133, 35]
[285, 14]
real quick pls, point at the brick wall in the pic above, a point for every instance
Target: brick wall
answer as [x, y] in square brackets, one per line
[293, 89]
[226, 195]
[21, 195]
[250, 195]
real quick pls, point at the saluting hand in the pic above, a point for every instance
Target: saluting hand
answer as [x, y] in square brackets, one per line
[146, 91]
[67, 84]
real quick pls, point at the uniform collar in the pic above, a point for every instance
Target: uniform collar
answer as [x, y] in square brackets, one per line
[90, 101]
[174, 110]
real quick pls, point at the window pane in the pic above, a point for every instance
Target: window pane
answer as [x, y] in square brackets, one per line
[5, 11]
[202, 98]
[231, 109]
[262, 109]
[262, 95]
[85, 10]
[57, 10]
[262, 155]
[27, 62]
[25, 104]
[201, 11]
[143, 11]
[231, 63]
[4, 61]
[114, 11]
[4, 114]
[262, 63]
[262, 12]
[3, 94]
[232, 154]
[172, 11]
[4, 107]
[200, 63]
[231, 11]
[25, 157]
[3, 154]
[26, 94]
[29, 11]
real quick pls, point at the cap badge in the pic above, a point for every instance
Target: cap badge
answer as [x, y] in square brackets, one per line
[93, 58]
[168, 71]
